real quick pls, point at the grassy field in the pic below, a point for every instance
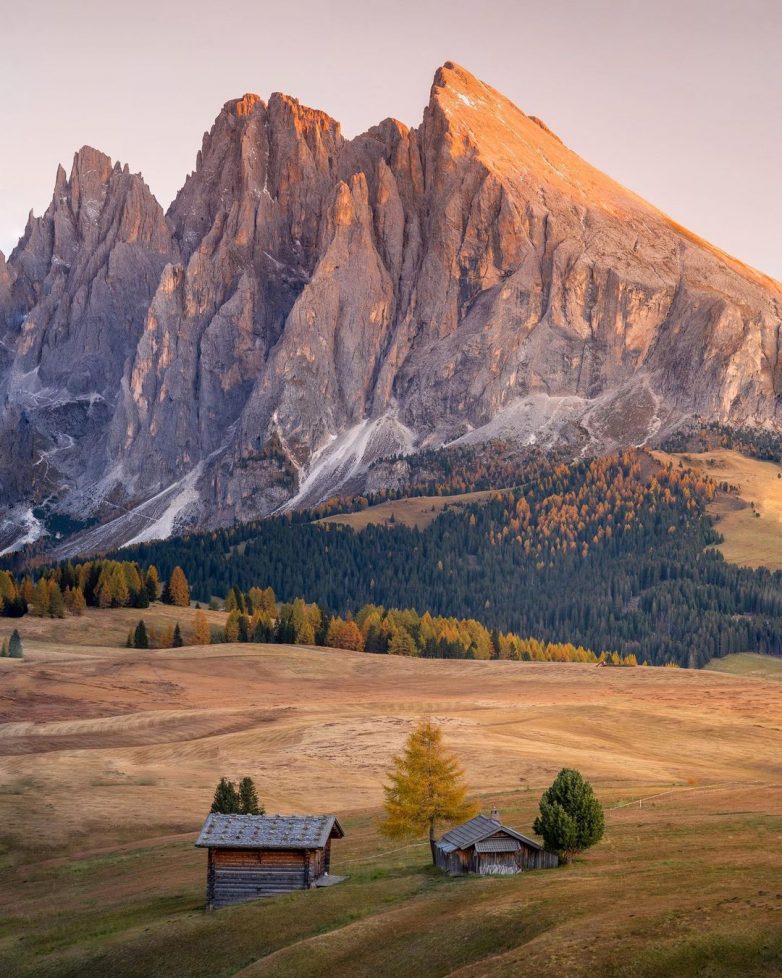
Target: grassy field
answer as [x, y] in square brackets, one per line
[108, 759]
[749, 664]
[751, 540]
[417, 511]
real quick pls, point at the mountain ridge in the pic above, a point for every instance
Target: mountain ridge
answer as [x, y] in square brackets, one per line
[309, 303]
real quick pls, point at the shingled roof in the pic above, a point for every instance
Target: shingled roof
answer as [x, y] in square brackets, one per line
[476, 830]
[268, 831]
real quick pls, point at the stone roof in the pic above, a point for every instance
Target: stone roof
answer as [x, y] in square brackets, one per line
[268, 831]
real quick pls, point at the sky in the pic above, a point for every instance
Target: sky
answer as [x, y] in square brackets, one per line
[679, 100]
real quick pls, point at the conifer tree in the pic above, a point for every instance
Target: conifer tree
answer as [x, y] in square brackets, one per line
[425, 787]
[78, 604]
[140, 636]
[3, 650]
[571, 818]
[129, 642]
[152, 583]
[56, 601]
[231, 631]
[177, 590]
[15, 649]
[167, 638]
[40, 598]
[226, 798]
[202, 634]
[27, 589]
[248, 798]
[177, 641]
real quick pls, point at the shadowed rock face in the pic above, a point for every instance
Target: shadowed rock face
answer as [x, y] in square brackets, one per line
[310, 303]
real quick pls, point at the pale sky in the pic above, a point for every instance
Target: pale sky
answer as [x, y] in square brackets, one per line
[680, 100]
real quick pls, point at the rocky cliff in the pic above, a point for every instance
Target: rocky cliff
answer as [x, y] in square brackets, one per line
[311, 303]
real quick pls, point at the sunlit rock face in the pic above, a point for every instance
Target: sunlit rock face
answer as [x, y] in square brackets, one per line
[311, 303]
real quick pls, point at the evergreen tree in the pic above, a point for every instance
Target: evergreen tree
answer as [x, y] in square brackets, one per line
[177, 590]
[140, 636]
[3, 650]
[425, 787]
[248, 798]
[226, 799]
[129, 642]
[15, 649]
[571, 818]
[152, 583]
[177, 641]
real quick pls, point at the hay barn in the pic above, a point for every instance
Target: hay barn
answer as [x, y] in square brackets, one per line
[253, 856]
[486, 846]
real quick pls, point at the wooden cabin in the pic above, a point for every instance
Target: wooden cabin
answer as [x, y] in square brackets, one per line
[486, 846]
[253, 856]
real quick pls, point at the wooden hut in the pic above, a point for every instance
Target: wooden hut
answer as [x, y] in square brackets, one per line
[253, 856]
[486, 846]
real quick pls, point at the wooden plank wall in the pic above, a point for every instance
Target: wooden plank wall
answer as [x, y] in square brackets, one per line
[236, 875]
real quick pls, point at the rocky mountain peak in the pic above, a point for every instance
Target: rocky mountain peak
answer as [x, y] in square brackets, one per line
[311, 303]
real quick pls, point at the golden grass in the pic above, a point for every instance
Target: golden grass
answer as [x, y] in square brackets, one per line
[750, 540]
[414, 511]
[108, 760]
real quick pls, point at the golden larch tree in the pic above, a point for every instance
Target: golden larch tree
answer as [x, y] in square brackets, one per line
[202, 634]
[178, 590]
[425, 787]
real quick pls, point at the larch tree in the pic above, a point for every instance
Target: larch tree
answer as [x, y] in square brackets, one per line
[425, 787]
[231, 630]
[177, 640]
[202, 634]
[177, 590]
[56, 601]
[40, 600]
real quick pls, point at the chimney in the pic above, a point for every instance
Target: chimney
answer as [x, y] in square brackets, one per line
[494, 813]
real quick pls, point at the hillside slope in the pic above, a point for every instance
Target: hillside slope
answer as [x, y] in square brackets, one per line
[127, 747]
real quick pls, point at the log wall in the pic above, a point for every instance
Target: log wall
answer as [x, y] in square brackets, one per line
[236, 875]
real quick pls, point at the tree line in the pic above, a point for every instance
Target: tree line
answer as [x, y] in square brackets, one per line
[608, 554]
[101, 583]
[614, 553]
[258, 617]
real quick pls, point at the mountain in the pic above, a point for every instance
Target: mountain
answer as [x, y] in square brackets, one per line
[310, 303]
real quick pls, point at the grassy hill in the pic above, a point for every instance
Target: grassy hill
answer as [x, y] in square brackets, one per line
[414, 511]
[753, 533]
[747, 664]
[108, 759]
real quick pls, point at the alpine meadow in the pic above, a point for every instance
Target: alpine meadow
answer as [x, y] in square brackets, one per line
[391, 525]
